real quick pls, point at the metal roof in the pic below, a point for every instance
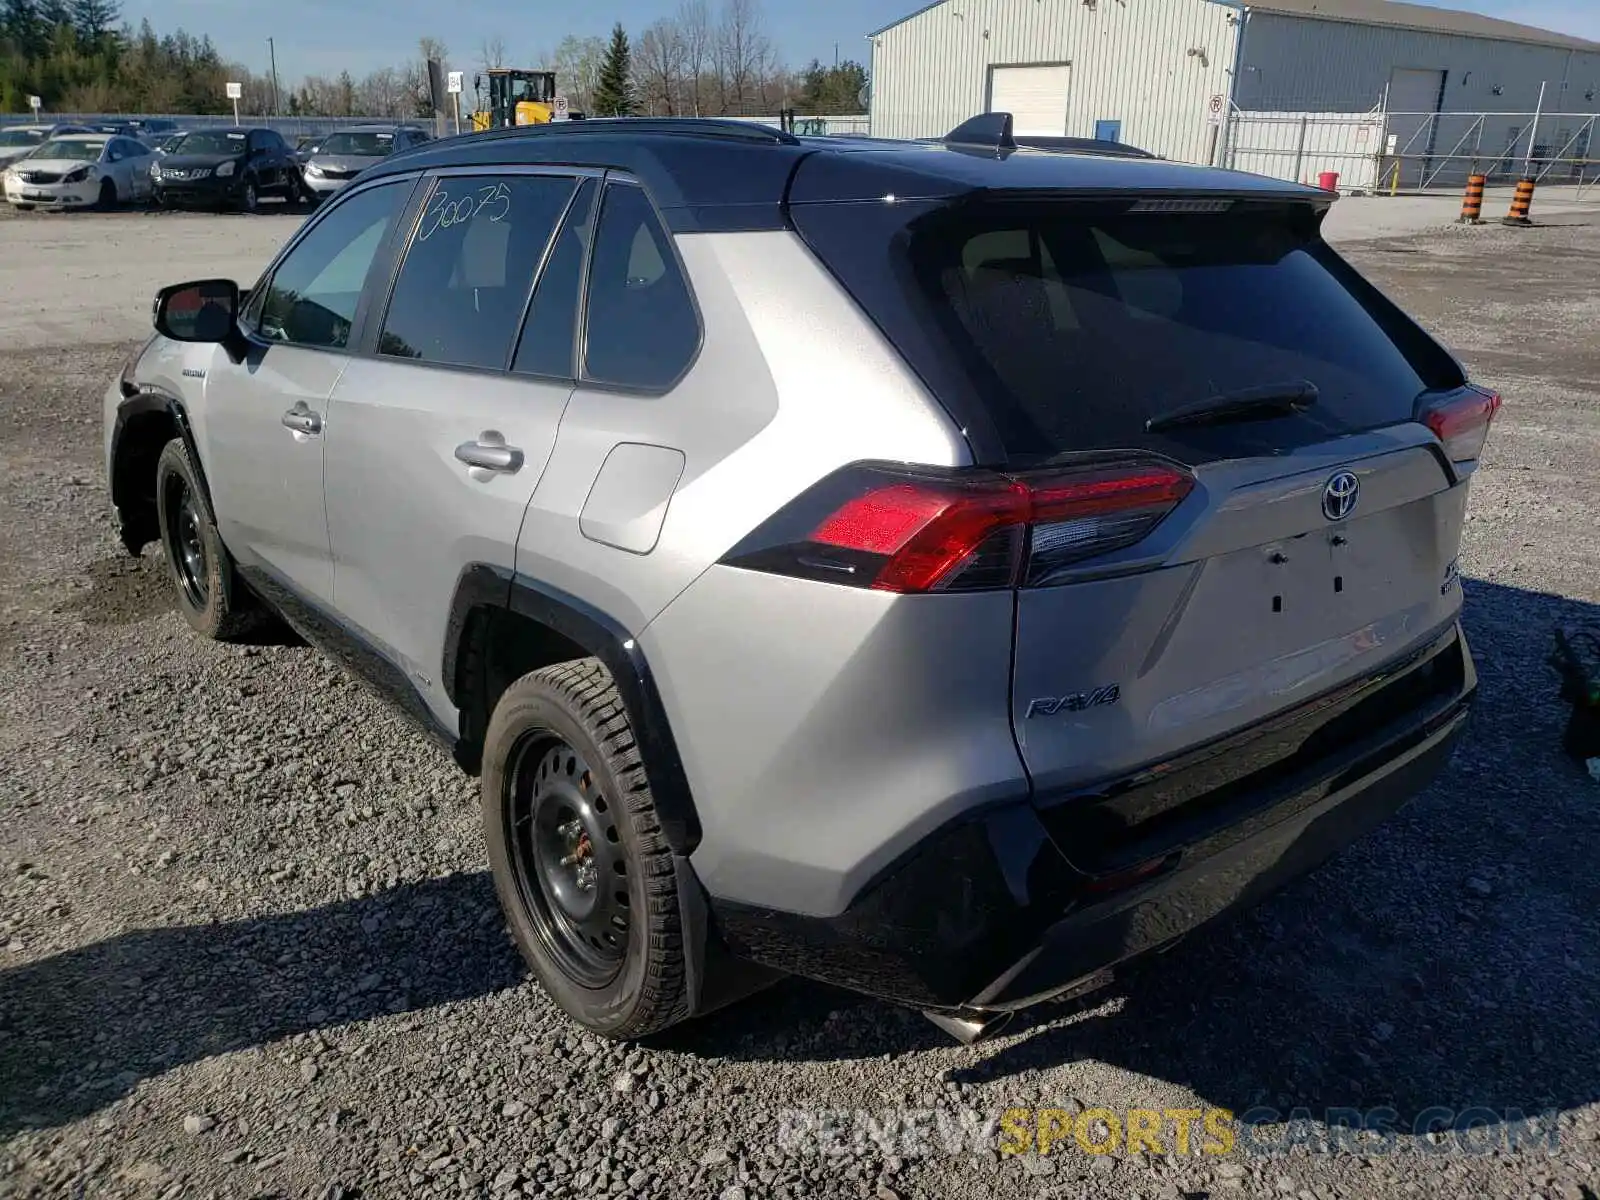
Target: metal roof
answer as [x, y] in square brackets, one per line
[1379, 12]
[1417, 16]
[709, 175]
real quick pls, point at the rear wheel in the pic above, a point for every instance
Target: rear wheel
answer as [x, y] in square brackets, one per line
[250, 200]
[108, 195]
[210, 596]
[583, 871]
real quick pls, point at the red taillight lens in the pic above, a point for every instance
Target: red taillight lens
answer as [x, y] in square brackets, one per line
[903, 531]
[1461, 421]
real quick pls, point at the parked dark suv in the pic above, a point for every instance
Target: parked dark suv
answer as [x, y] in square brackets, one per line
[945, 570]
[228, 167]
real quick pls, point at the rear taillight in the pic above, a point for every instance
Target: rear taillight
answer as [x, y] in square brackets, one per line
[908, 530]
[1461, 421]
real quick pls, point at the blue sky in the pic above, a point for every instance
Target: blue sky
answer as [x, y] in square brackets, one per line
[327, 36]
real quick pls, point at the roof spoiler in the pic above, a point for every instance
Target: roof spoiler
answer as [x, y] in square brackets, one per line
[987, 131]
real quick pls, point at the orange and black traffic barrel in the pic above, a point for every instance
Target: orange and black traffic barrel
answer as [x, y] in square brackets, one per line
[1520, 204]
[1472, 202]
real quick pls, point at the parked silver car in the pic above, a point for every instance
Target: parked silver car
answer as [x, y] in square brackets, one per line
[946, 570]
[346, 153]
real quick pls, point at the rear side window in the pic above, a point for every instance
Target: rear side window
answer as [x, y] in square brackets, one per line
[552, 325]
[1073, 324]
[459, 297]
[641, 329]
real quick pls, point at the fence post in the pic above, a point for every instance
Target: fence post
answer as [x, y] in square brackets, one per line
[1533, 134]
[1300, 150]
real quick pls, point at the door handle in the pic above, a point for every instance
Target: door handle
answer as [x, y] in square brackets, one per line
[491, 453]
[302, 420]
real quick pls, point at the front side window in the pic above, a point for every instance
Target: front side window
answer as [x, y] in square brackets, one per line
[641, 328]
[313, 295]
[459, 296]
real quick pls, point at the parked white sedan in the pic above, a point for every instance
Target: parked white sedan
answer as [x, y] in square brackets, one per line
[80, 170]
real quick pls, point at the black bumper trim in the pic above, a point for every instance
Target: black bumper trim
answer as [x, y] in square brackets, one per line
[988, 913]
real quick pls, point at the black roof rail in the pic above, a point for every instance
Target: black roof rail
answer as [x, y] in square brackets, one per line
[986, 131]
[717, 127]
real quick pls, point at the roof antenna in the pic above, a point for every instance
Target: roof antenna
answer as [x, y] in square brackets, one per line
[988, 131]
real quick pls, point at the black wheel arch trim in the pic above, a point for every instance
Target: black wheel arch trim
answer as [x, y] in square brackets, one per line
[484, 586]
[141, 403]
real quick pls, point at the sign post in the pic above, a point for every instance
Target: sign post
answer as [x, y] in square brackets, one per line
[453, 84]
[235, 91]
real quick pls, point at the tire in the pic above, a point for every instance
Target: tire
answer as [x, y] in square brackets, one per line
[250, 199]
[108, 196]
[562, 772]
[211, 597]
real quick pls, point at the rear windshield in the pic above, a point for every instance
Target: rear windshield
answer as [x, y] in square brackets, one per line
[1073, 324]
[361, 145]
[10, 139]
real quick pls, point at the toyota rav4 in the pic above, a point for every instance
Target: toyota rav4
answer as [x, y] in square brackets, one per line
[946, 569]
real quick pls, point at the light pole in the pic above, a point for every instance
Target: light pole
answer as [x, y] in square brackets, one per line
[272, 53]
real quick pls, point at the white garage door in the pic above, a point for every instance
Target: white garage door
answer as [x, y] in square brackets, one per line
[1036, 97]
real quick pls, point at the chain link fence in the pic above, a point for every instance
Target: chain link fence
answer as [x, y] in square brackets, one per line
[1389, 152]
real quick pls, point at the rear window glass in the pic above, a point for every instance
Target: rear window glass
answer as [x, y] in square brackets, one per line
[1074, 324]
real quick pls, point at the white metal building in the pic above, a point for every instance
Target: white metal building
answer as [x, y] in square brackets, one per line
[1183, 78]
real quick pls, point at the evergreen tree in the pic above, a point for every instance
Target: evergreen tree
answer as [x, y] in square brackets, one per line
[95, 19]
[613, 96]
[20, 24]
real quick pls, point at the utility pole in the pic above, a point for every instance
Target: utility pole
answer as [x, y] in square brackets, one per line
[836, 56]
[272, 53]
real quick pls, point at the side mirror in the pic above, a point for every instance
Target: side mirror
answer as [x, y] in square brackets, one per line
[204, 311]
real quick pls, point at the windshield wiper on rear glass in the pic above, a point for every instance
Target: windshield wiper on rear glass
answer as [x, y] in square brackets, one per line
[1246, 404]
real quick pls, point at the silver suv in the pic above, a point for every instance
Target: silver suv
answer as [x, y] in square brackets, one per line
[943, 569]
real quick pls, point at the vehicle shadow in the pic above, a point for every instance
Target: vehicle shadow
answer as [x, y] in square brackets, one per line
[81, 1029]
[1447, 961]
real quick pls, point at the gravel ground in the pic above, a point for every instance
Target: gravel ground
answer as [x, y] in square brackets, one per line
[249, 947]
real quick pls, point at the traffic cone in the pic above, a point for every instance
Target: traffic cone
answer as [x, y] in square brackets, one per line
[1520, 204]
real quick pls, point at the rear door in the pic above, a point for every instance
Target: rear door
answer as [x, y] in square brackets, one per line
[438, 439]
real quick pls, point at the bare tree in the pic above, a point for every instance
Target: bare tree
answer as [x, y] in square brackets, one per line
[659, 63]
[694, 26]
[382, 94]
[493, 52]
[744, 54]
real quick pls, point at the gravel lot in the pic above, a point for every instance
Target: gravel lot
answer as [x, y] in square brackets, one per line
[249, 947]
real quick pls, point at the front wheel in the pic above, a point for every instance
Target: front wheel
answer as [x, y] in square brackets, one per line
[583, 871]
[250, 200]
[108, 196]
[210, 595]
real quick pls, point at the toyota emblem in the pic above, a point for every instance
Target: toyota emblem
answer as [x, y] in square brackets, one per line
[1339, 496]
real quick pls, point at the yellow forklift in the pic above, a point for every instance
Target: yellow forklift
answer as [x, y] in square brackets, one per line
[515, 97]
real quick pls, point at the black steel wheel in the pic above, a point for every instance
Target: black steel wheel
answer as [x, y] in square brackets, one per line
[567, 854]
[584, 874]
[185, 544]
[212, 599]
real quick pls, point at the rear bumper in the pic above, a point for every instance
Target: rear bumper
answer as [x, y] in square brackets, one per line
[989, 914]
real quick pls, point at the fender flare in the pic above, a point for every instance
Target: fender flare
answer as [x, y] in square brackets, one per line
[142, 402]
[483, 586]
